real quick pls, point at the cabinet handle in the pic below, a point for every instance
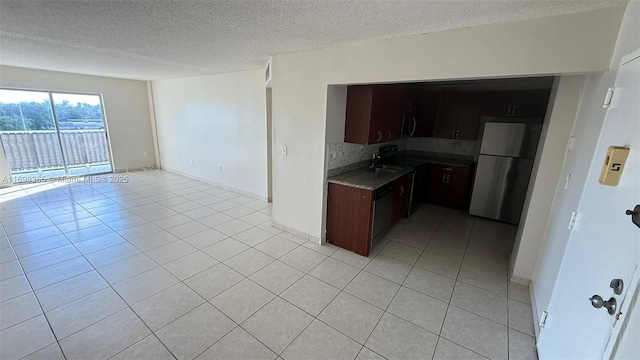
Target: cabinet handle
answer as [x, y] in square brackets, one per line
[513, 111]
[444, 177]
[453, 136]
[379, 136]
[415, 123]
[457, 133]
[509, 111]
[389, 137]
[447, 178]
[401, 191]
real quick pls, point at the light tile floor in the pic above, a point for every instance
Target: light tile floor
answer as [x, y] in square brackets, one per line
[164, 267]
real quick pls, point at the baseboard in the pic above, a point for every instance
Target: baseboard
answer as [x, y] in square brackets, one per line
[227, 187]
[127, 170]
[534, 310]
[520, 280]
[296, 232]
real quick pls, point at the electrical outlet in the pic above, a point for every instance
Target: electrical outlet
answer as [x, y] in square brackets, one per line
[220, 168]
[144, 153]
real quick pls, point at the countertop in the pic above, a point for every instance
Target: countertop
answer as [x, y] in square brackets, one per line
[365, 179]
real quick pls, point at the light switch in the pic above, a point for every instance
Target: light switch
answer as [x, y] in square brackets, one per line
[572, 142]
[613, 165]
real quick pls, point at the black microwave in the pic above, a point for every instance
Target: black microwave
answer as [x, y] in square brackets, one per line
[409, 123]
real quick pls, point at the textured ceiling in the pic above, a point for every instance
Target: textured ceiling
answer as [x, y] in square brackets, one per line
[154, 39]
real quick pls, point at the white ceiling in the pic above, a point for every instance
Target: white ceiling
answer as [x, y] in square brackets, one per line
[154, 39]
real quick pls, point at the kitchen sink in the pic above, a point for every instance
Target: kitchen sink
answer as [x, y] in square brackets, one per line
[391, 167]
[383, 170]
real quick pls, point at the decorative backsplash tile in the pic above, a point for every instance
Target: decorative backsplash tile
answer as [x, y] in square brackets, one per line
[343, 154]
[449, 146]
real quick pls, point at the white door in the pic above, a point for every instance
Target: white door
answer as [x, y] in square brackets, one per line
[604, 243]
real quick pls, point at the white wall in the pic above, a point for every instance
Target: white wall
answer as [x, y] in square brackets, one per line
[547, 170]
[586, 130]
[126, 106]
[574, 43]
[215, 120]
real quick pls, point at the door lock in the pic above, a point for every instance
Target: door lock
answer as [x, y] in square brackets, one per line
[597, 302]
[617, 285]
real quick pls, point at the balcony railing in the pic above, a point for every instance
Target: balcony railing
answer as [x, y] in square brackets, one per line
[33, 150]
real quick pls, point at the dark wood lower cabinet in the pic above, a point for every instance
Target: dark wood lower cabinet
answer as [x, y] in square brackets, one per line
[448, 185]
[349, 218]
[401, 196]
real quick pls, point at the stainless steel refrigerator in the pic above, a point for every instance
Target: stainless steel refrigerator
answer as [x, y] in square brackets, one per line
[504, 169]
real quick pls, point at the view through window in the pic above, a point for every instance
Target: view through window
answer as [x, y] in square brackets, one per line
[51, 134]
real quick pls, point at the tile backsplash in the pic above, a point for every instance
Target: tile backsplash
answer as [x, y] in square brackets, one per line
[448, 146]
[344, 154]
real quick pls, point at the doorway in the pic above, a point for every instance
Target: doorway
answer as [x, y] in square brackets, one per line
[603, 253]
[47, 135]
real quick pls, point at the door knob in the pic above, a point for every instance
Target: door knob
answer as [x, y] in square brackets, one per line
[635, 215]
[597, 302]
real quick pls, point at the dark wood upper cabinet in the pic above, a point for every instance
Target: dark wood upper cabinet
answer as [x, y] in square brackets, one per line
[374, 113]
[447, 115]
[401, 195]
[516, 103]
[495, 103]
[458, 115]
[358, 124]
[349, 218]
[426, 111]
[468, 116]
[530, 103]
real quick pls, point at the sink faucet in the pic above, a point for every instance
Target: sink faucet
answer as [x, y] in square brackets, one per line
[375, 160]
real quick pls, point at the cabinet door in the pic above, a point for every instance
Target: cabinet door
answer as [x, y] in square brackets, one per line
[357, 127]
[437, 184]
[383, 114]
[458, 186]
[530, 103]
[447, 115]
[401, 196]
[401, 102]
[427, 110]
[468, 115]
[349, 217]
[495, 103]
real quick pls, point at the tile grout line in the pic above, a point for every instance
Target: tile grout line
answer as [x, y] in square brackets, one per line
[184, 283]
[278, 258]
[453, 290]
[94, 269]
[113, 289]
[34, 295]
